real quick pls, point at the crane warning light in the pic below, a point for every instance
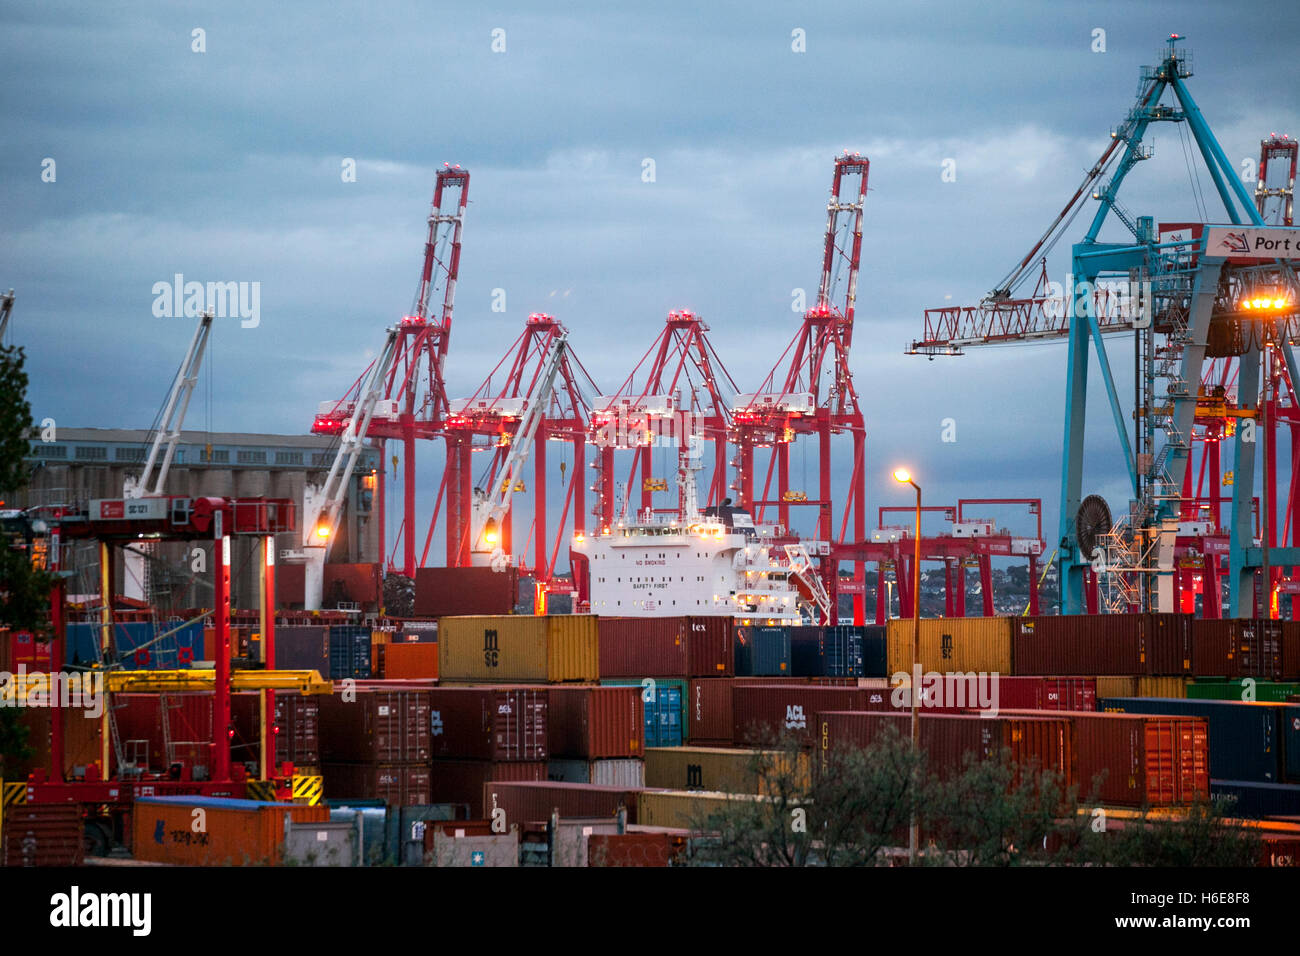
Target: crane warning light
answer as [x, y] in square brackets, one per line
[322, 530]
[491, 534]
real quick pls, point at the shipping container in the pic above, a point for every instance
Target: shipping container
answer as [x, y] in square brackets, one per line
[1139, 760]
[687, 809]
[1288, 720]
[1214, 648]
[411, 661]
[708, 707]
[1244, 689]
[761, 714]
[144, 741]
[709, 647]
[461, 781]
[489, 723]
[525, 803]
[634, 849]
[1167, 644]
[561, 647]
[82, 738]
[35, 834]
[494, 849]
[762, 651]
[352, 583]
[1047, 693]
[1044, 743]
[640, 647]
[826, 651]
[1259, 649]
[1245, 742]
[332, 843]
[875, 650]
[725, 770]
[1290, 665]
[238, 832]
[1079, 644]
[665, 702]
[304, 648]
[595, 722]
[979, 644]
[397, 784]
[376, 726]
[610, 772]
[1253, 800]
[349, 652]
[378, 658]
[456, 592]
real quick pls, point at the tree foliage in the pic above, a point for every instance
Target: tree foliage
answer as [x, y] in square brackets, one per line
[15, 419]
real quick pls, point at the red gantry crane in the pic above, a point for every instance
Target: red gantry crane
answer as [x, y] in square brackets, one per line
[810, 391]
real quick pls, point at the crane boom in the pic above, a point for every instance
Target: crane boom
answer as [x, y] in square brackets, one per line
[6, 306]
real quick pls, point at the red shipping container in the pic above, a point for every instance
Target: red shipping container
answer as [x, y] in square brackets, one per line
[1078, 644]
[399, 784]
[1167, 645]
[380, 726]
[709, 711]
[633, 849]
[462, 781]
[709, 648]
[1044, 742]
[411, 661]
[534, 802]
[1214, 648]
[1159, 761]
[290, 584]
[763, 712]
[1259, 649]
[139, 719]
[296, 728]
[455, 592]
[1047, 693]
[596, 722]
[1290, 650]
[489, 723]
[26, 651]
[49, 834]
[358, 583]
[640, 647]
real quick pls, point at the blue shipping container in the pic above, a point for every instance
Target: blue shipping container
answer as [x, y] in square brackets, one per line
[1255, 800]
[172, 652]
[1288, 716]
[826, 651]
[763, 652]
[875, 652]
[1245, 741]
[349, 652]
[665, 712]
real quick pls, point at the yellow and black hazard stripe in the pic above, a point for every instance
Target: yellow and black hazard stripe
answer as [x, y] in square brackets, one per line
[308, 789]
[261, 790]
[11, 795]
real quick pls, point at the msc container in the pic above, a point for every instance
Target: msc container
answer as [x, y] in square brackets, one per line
[715, 768]
[826, 651]
[376, 726]
[1258, 690]
[534, 802]
[411, 661]
[762, 651]
[686, 809]
[1244, 738]
[489, 723]
[615, 772]
[461, 781]
[665, 709]
[397, 784]
[561, 647]
[42, 834]
[1255, 800]
[1144, 760]
[1044, 743]
[447, 592]
[709, 644]
[708, 708]
[349, 652]
[980, 644]
[642, 647]
[303, 649]
[762, 713]
[595, 722]
[238, 832]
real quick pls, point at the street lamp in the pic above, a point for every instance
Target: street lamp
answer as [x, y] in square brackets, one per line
[904, 477]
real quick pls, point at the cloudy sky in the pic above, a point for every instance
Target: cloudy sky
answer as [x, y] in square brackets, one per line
[225, 165]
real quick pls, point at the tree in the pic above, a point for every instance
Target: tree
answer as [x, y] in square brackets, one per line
[15, 419]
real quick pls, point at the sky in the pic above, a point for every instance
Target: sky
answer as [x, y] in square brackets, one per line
[226, 164]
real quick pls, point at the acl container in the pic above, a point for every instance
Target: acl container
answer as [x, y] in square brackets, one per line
[1245, 740]
[595, 722]
[397, 784]
[377, 726]
[489, 723]
[518, 649]
[1044, 742]
[1146, 760]
[952, 644]
[762, 713]
[238, 832]
[716, 768]
[534, 802]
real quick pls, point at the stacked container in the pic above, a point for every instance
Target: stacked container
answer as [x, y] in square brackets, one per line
[594, 725]
[518, 649]
[377, 745]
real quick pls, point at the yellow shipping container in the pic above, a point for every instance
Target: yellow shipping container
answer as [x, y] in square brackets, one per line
[561, 647]
[1116, 687]
[1142, 686]
[684, 809]
[573, 653]
[716, 768]
[950, 644]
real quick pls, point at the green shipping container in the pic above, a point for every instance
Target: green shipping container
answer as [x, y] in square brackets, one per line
[1264, 690]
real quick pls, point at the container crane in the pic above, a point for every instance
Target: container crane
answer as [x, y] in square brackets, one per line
[6, 306]
[323, 505]
[810, 391]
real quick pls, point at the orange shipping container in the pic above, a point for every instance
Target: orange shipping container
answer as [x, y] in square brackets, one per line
[411, 661]
[226, 832]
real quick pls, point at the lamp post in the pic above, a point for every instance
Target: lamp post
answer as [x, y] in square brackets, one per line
[903, 476]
